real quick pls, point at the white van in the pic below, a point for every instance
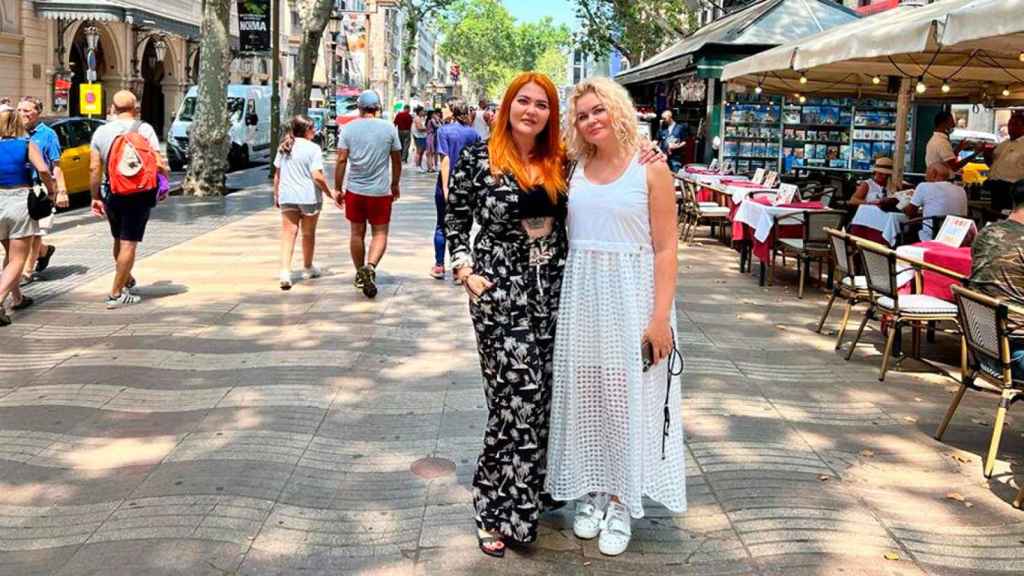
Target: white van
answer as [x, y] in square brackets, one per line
[249, 111]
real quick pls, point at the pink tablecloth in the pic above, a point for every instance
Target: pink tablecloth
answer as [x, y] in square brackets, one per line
[867, 233]
[955, 259]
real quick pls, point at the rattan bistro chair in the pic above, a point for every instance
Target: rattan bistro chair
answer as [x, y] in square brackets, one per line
[813, 243]
[879, 263]
[848, 285]
[986, 361]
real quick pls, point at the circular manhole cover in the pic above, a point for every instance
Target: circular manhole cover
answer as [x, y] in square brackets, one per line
[430, 467]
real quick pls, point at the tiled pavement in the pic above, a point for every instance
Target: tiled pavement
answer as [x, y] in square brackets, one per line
[224, 427]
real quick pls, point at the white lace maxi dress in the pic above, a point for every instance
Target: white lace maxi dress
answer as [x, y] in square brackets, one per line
[606, 413]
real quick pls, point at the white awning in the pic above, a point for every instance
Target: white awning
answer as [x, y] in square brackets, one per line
[175, 16]
[909, 42]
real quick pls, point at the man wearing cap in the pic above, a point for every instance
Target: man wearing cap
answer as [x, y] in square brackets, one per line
[872, 190]
[366, 147]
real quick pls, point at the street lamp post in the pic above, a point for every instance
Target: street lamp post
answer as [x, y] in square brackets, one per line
[92, 41]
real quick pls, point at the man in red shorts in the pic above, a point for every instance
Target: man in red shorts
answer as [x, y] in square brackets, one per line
[370, 154]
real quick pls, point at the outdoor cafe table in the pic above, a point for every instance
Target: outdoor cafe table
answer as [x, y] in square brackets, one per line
[755, 222]
[954, 259]
[872, 223]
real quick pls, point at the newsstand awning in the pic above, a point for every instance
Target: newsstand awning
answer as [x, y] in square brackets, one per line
[761, 25]
[177, 17]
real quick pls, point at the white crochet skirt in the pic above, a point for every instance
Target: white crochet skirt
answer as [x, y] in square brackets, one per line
[607, 415]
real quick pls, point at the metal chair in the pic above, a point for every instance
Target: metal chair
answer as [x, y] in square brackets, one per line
[879, 264]
[847, 285]
[986, 362]
[813, 243]
[697, 212]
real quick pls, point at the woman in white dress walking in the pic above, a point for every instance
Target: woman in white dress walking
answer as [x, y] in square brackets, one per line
[616, 427]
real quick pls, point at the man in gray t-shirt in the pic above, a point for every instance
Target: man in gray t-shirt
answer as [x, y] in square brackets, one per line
[370, 154]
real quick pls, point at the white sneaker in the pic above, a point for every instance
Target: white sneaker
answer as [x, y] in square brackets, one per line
[125, 299]
[286, 280]
[589, 512]
[310, 273]
[616, 532]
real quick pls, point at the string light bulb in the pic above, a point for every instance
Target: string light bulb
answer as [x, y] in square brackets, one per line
[1006, 91]
[945, 88]
[921, 87]
[803, 79]
[803, 99]
[1021, 57]
[876, 80]
[758, 89]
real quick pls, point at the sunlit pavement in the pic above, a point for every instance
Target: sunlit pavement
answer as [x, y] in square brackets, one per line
[226, 427]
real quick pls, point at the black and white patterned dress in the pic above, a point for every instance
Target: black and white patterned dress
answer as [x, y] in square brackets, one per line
[515, 330]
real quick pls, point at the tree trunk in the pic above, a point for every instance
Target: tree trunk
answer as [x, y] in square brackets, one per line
[208, 134]
[410, 49]
[314, 15]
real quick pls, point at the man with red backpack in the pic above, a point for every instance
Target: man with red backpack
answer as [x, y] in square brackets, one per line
[127, 152]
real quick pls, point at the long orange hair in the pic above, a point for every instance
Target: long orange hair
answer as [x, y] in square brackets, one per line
[548, 155]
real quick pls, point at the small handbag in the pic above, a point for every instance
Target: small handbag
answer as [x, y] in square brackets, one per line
[39, 203]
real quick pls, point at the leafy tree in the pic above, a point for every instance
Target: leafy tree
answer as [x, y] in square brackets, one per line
[637, 30]
[208, 138]
[417, 12]
[491, 47]
[555, 63]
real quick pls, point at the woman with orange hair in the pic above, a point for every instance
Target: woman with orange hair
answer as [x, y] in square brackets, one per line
[514, 187]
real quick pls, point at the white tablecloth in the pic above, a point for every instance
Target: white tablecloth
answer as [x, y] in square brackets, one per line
[888, 223]
[762, 218]
[740, 193]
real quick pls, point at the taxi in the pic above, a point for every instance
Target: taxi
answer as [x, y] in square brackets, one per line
[75, 136]
[974, 173]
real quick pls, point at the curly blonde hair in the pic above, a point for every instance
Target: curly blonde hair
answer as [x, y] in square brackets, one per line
[620, 109]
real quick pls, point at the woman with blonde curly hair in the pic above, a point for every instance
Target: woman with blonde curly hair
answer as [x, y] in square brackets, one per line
[616, 432]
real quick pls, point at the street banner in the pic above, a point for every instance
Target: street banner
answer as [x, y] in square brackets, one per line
[254, 26]
[90, 99]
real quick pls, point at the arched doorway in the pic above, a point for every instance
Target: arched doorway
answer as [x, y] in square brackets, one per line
[152, 72]
[78, 63]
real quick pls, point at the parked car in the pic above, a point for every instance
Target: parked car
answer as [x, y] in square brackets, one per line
[249, 131]
[75, 136]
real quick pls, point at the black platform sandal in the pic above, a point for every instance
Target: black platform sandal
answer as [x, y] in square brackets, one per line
[491, 545]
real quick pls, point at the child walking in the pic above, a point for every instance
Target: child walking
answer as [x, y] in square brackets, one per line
[299, 185]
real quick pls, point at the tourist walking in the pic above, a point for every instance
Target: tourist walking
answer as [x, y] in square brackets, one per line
[514, 187]
[451, 139]
[616, 424]
[419, 136]
[40, 253]
[404, 122]
[18, 158]
[125, 152]
[299, 186]
[369, 153]
[433, 124]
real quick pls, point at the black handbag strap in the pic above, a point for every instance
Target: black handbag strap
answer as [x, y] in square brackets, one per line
[671, 371]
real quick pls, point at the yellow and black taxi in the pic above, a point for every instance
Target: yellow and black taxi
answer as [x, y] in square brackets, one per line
[75, 136]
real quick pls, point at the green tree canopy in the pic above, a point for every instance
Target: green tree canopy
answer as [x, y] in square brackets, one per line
[637, 30]
[491, 47]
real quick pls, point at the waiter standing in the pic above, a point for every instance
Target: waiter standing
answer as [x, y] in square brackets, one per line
[940, 149]
[1007, 162]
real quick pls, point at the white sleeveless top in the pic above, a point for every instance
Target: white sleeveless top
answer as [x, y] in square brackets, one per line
[613, 216]
[875, 191]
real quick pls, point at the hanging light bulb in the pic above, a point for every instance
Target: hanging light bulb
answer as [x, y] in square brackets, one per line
[945, 87]
[803, 79]
[758, 89]
[1006, 91]
[803, 99]
[876, 80]
[921, 88]
[1021, 57]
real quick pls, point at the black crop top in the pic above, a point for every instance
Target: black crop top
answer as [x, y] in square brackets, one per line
[535, 203]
